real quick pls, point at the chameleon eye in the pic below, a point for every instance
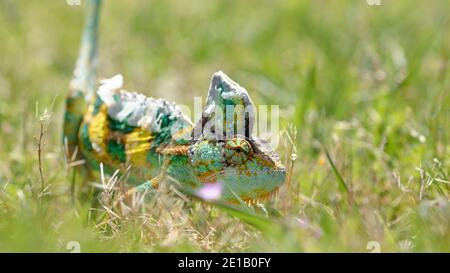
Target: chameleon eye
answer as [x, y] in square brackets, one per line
[237, 151]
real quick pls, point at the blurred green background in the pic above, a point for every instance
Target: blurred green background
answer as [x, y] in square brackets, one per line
[370, 83]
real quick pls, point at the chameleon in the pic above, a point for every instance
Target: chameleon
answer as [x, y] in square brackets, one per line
[124, 130]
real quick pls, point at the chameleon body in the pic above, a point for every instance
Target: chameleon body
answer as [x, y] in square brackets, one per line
[159, 143]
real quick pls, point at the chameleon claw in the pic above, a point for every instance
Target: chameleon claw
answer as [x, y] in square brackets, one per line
[150, 186]
[147, 186]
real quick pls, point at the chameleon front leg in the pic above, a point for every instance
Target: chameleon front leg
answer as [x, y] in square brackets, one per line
[153, 184]
[150, 185]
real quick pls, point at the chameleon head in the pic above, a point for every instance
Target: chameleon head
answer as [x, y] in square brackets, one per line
[243, 168]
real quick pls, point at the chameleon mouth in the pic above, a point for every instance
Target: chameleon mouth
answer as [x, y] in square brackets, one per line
[263, 197]
[257, 194]
[208, 177]
[211, 178]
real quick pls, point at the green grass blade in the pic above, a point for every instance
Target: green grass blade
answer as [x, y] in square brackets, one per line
[342, 184]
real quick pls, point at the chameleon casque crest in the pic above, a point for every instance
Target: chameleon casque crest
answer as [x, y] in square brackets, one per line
[156, 140]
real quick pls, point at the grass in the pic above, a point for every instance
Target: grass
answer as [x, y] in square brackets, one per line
[364, 96]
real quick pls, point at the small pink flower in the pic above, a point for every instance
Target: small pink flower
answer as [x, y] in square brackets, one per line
[210, 191]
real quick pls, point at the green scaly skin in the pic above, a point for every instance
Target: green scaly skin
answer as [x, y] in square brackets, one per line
[121, 129]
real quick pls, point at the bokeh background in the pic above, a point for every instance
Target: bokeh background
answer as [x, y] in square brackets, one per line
[368, 84]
